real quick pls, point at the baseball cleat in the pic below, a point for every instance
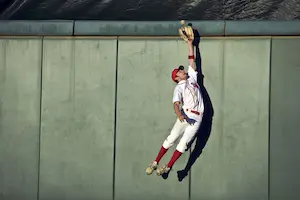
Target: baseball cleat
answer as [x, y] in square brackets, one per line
[151, 168]
[162, 170]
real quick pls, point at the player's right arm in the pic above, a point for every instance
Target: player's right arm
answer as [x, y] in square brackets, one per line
[177, 111]
[177, 99]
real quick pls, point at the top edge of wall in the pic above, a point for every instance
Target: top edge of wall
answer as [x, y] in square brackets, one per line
[146, 28]
[36, 28]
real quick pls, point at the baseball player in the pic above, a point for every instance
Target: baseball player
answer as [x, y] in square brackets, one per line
[186, 94]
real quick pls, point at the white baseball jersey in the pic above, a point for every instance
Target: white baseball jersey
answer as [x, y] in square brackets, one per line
[188, 93]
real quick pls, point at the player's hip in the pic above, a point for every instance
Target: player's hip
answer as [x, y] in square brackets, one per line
[197, 109]
[192, 115]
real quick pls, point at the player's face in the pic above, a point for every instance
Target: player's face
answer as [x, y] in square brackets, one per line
[181, 74]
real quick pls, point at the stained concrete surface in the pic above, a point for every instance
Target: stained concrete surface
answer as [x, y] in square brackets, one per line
[245, 118]
[145, 117]
[20, 68]
[284, 119]
[77, 137]
[238, 88]
[78, 105]
[209, 165]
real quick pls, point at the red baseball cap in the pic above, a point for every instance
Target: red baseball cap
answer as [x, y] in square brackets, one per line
[174, 72]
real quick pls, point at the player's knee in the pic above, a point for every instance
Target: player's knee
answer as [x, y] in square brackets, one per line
[170, 140]
[181, 147]
[167, 144]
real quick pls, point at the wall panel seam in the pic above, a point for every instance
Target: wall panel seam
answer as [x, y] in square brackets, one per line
[269, 116]
[40, 117]
[115, 119]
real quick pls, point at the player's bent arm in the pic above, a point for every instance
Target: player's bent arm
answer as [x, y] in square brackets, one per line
[177, 109]
[191, 54]
[177, 99]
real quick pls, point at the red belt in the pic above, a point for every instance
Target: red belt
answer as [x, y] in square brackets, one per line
[193, 111]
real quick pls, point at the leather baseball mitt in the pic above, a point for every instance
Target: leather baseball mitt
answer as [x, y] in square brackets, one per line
[186, 32]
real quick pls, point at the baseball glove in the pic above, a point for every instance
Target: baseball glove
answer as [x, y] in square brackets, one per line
[186, 32]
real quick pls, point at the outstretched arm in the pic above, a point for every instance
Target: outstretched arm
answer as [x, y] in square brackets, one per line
[191, 55]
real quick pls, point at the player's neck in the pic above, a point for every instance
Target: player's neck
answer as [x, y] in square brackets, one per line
[181, 81]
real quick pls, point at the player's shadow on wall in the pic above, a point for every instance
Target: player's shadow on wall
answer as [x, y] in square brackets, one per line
[204, 130]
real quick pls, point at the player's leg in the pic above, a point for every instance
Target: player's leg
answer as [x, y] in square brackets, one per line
[176, 131]
[188, 135]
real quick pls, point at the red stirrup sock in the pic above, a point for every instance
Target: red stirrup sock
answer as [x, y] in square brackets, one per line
[175, 156]
[161, 154]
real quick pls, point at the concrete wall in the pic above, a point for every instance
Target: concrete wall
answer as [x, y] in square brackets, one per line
[234, 164]
[67, 106]
[77, 129]
[20, 80]
[284, 119]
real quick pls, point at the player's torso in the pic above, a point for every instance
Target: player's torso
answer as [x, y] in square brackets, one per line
[191, 95]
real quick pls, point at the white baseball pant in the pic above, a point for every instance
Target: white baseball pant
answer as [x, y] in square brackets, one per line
[187, 131]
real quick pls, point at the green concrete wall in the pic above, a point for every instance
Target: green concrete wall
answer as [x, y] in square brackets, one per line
[66, 106]
[20, 80]
[145, 97]
[234, 164]
[147, 28]
[284, 119]
[77, 129]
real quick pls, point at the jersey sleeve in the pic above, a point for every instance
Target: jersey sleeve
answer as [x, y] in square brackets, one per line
[177, 95]
[192, 74]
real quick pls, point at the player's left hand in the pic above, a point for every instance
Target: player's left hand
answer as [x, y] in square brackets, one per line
[186, 32]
